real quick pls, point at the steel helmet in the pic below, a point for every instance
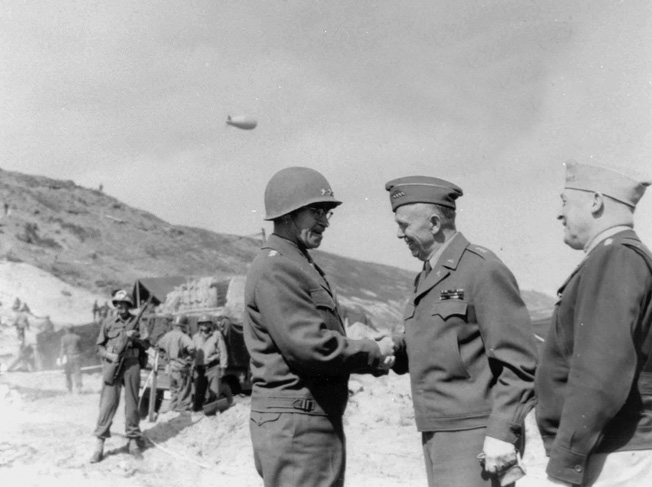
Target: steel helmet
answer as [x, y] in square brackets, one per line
[204, 319]
[295, 187]
[180, 320]
[122, 296]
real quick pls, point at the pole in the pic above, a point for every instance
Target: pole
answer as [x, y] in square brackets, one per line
[152, 391]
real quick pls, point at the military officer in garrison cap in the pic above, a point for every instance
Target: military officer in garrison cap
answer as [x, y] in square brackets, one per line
[468, 342]
[301, 358]
[594, 382]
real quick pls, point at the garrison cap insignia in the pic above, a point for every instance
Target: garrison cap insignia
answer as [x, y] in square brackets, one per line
[272, 253]
[398, 194]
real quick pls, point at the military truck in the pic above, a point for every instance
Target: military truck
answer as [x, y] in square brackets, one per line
[192, 296]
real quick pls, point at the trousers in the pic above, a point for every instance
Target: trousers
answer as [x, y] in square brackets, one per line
[180, 389]
[129, 378]
[72, 370]
[296, 450]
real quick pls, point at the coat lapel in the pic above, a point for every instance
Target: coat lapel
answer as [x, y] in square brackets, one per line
[303, 260]
[448, 261]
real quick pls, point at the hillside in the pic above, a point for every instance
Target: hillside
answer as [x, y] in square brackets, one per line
[90, 240]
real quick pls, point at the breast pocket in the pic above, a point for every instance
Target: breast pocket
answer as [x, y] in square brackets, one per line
[328, 308]
[449, 308]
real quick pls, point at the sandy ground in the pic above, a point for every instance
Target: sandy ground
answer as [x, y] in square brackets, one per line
[46, 440]
[46, 434]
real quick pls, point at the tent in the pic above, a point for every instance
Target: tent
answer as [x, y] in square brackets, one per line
[156, 287]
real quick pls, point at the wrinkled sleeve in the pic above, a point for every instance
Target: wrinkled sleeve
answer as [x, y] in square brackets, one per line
[296, 311]
[506, 329]
[604, 361]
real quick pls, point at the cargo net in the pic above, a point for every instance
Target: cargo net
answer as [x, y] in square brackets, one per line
[207, 293]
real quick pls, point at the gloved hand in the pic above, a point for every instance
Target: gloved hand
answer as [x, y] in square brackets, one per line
[498, 455]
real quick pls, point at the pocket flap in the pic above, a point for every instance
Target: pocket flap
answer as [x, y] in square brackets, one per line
[449, 308]
[322, 299]
[409, 311]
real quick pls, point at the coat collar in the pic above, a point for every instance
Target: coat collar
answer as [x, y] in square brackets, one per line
[302, 258]
[617, 238]
[448, 261]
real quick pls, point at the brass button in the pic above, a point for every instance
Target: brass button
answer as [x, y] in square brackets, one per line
[578, 468]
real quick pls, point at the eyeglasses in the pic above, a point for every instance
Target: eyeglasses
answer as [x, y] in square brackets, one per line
[320, 213]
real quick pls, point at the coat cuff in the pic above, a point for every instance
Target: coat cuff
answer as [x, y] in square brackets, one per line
[566, 465]
[503, 429]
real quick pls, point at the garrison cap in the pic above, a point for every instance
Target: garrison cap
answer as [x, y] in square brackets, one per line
[422, 189]
[608, 181]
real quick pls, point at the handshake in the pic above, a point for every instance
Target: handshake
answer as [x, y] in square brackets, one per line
[387, 350]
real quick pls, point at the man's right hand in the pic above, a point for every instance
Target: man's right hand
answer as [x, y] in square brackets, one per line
[386, 345]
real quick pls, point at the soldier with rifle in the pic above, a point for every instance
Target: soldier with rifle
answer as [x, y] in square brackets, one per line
[122, 345]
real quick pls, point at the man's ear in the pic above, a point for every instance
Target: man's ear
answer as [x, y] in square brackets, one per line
[597, 203]
[435, 220]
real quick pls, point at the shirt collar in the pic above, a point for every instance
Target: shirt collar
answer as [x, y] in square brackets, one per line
[437, 255]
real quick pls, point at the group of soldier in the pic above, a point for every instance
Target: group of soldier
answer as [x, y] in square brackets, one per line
[194, 367]
[466, 342]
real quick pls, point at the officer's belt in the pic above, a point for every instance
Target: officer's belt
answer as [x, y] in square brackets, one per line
[304, 405]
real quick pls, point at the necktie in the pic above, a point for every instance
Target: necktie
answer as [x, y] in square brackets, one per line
[426, 268]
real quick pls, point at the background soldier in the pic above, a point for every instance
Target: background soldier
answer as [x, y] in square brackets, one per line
[210, 361]
[70, 358]
[112, 330]
[22, 325]
[594, 382]
[301, 358]
[180, 350]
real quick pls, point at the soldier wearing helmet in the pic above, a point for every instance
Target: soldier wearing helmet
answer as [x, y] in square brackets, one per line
[180, 351]
[300, 356]
[210, 361]
[112, 329]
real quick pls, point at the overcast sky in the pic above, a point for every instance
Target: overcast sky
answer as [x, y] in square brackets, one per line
[135, 95]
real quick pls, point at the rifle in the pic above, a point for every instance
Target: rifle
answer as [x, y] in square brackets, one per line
[112, 369]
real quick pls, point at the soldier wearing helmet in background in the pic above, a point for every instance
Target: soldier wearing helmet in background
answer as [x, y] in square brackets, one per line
[111, 331]
[211, 359]
[301, 358]
[180, 351]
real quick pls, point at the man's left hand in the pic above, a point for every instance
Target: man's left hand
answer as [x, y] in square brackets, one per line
[499, 455]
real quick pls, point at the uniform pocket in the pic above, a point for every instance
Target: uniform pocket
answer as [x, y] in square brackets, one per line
[409, 311]
[448, 308]
[262, 418]
[323, 300]
[113, 333]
